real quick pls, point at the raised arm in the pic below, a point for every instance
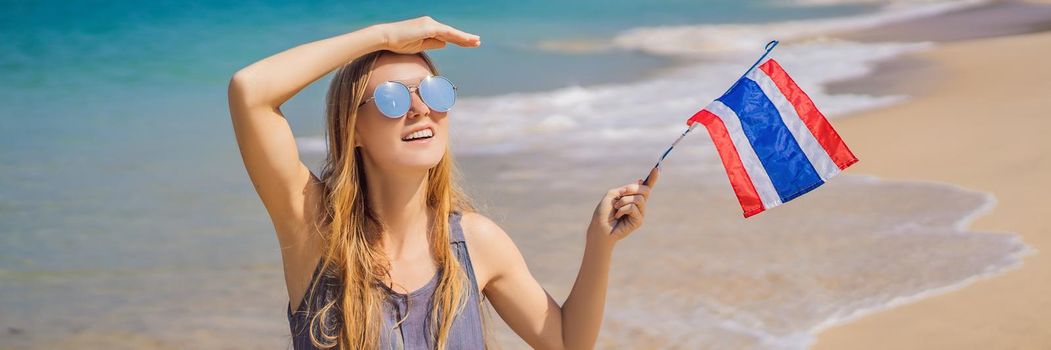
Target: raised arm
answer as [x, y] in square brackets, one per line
[289, 191]
[520, 300]
[284, 184]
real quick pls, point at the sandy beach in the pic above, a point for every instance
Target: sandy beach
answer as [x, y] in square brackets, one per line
[982, 126]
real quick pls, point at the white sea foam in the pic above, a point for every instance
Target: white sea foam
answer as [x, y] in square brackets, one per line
[653, 111]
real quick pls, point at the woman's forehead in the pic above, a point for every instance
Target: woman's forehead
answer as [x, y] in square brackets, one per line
[407, 69]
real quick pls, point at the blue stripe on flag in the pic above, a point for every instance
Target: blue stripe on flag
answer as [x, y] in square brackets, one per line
[785, 162]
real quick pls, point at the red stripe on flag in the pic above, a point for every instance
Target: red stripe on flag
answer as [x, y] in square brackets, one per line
[739, 179]
[812, 117]
[702, 116]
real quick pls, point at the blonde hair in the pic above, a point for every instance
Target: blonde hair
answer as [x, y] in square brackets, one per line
[350, 317]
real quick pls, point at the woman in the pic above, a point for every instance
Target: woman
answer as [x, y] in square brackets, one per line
[375, 249]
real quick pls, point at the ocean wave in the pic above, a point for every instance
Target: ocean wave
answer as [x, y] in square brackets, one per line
[586, 121]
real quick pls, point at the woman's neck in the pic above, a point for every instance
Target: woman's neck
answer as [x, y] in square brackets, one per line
[399, 200]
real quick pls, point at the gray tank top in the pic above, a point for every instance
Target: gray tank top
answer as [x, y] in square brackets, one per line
[414, 307]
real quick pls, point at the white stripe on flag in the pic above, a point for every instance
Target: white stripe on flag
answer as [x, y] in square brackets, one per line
[819, 158]
[756, 171]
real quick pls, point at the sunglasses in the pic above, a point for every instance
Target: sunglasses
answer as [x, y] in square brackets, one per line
[393, 98]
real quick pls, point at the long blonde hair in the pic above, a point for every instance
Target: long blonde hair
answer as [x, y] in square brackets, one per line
[351, 317]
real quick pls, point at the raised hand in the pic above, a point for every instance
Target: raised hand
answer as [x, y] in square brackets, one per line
[424, 33]
[622, 209]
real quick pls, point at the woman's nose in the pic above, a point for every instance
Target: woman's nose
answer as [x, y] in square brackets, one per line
[417, 108]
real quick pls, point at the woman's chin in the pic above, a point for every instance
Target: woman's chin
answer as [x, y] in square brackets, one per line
[420, 161]
[421, 155]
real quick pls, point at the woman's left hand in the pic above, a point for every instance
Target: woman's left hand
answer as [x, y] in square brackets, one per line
[622, 209]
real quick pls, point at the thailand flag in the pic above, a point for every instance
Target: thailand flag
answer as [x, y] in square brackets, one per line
[773, 141]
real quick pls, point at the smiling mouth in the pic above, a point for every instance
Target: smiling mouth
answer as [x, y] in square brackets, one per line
[419, 135]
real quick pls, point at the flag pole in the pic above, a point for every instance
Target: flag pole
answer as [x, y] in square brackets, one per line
[769, 47]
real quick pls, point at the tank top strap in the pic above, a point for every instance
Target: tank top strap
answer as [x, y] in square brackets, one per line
[459, 245]
[455, 230]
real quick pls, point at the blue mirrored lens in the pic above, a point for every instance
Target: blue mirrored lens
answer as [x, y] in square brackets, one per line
[392, 99]
[438, 93]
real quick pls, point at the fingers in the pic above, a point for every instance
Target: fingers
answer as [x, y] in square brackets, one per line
[652, 178]
[626, 205]
[423, 33]
[630, 209]
[456, 36]
[635, 188]
[628, 219]
[636, 199]
[460, 38]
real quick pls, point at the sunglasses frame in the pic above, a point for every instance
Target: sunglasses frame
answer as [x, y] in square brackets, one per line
[412, 89]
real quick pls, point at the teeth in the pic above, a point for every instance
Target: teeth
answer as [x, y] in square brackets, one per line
[420, 134]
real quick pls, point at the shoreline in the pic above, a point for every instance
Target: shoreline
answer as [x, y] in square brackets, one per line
[964, 224]
[963, 80]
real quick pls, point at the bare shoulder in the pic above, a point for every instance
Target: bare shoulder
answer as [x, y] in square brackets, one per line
[492, 250]
[483, 233]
